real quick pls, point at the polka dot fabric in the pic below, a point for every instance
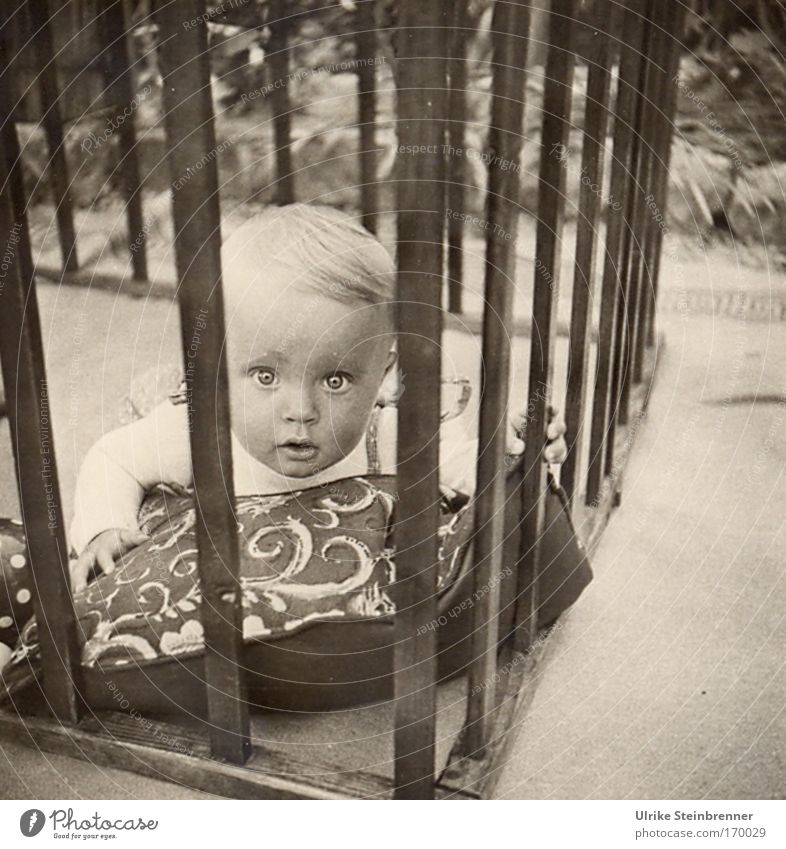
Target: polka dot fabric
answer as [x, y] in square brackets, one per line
[16, 601]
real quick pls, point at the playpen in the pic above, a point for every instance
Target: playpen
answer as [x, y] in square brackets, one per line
[629, 99]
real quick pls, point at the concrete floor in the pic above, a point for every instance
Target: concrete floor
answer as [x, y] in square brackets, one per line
[667, 679]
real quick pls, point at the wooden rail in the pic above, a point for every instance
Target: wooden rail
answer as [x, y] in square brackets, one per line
[555, 131]
[601, 451]
[510, 27]
[119, 76]
[279, 77]
[422, 82]
[57, 171]
[183, 60]
[593, 169]
[455, 140]
[27, 393]
[366, 42]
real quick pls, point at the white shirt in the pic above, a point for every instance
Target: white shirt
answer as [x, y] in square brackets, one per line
[125, 463]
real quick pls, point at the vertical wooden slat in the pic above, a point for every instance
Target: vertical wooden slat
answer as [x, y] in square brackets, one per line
[421, 81]
[601, 432]
[665, 145]
[57, 170]
[278, 56]
[456, 153]
[659, 82]
[183, 60]
[15, 171]
[639, 213]
[366, 69]
[510, 28]
[121, 91]
[27, 393]
[629, 239]
[13, 155]
[557, 96]
[596, 120]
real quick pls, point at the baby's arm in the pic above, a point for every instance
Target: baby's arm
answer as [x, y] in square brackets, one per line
[112, 482]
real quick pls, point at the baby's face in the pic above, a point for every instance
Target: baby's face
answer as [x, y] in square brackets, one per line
[304, 373]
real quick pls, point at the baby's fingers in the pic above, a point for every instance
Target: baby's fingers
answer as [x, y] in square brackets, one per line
[105, 561]
[80, 569]
[518, 421]
[131, 538]
[556, 429]
[556, 452]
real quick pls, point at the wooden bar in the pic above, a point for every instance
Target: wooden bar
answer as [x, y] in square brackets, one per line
[13, 154]
[510, 29]
[455, 152]
[662, 179]
[421, 78]
[120, 89]
[278, 56]
[601, 432]
[638, 193]
[593, 157]
[157, 749]
[659, 90]
[557, 97]
[27, 396]
[367, 51]
[184, 64]
[57, 167]
[478, 777]
[630, 193]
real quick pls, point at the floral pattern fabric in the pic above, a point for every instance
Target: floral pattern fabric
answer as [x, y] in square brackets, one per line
[317, 555]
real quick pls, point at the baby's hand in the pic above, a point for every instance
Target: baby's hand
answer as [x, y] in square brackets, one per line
[102, 551]
[556, 450]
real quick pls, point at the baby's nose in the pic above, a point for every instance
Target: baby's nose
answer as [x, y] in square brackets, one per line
[299, 408]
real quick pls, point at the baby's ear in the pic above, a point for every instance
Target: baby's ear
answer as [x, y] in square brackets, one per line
[389, 390]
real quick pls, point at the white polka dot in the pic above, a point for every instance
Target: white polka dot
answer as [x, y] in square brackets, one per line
[6, 621]
[18, 561]
[23, 596]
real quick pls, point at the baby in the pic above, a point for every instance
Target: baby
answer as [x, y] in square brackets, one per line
[309, 305]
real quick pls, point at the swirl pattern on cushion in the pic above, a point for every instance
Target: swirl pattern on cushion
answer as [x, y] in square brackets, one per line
[316, 555]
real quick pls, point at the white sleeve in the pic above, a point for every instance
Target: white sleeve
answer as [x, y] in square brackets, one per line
[458, 453]
[458, 462]
[123, 465]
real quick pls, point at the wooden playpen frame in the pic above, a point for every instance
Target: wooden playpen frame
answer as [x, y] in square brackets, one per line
[638, 110]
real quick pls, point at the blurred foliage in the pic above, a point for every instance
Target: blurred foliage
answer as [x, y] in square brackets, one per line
[736, 65]
[730, 144]
[731, 117]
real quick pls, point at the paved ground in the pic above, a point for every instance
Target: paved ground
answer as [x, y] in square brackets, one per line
[667, 678]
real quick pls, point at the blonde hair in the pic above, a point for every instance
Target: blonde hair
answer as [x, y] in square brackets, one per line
[326, 250]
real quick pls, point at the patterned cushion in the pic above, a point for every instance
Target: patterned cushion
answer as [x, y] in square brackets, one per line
[316, 573]
[307, 557]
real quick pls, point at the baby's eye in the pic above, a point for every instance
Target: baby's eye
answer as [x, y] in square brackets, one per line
[337, 382]
[265, 377]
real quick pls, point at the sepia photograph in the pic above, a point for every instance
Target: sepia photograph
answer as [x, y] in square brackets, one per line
[393, 407]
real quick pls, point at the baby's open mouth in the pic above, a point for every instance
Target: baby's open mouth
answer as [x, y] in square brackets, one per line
[299, 449]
